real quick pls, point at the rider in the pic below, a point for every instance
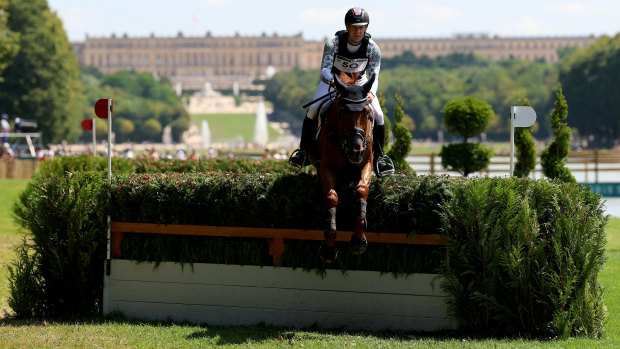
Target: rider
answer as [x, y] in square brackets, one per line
[349, 51]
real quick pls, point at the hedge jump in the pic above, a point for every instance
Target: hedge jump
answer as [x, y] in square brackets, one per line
[276, 236]
[220, 294]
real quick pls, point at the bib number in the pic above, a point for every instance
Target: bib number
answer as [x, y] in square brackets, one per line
[350, 65]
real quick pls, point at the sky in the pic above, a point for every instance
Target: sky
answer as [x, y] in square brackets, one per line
[317, 20]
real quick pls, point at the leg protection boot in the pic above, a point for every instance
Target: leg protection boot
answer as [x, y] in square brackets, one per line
[383, 165]
[299, 158]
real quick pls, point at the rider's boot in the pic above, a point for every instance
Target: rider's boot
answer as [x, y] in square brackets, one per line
[299, 157]
[383, 165]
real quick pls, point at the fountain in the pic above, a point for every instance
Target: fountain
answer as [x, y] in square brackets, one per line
[167, 135]
[205, 132]
[261, 136]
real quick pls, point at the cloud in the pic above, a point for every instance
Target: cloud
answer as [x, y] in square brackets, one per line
[431, 11]
[527, 25]
[323, 16]
[567, 9]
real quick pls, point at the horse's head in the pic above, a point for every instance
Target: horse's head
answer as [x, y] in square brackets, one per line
[355, 119]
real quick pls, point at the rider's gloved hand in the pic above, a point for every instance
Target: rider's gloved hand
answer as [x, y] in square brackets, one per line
[327, 76]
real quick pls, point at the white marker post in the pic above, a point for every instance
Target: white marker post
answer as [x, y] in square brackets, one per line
[103, 109]
[94, 139]
[520, 116]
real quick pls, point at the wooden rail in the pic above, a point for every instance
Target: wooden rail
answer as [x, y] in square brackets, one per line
[17, 168]
[588, 162]
[276, 236]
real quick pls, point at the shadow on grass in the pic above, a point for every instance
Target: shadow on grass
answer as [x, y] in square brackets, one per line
[231, 335]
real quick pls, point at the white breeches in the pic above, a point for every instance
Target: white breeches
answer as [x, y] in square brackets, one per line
[323, 89]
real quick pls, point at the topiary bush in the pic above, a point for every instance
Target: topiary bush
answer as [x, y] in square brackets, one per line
[525, 148]
[402, 139]
[465, 158]
[553, 158]
[467, 116]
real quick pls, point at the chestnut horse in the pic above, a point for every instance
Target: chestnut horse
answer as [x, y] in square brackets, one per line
[344, 153]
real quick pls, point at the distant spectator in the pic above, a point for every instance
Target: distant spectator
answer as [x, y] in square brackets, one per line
[6, 152]
[181, 155]
[193, 155]
[128, 154]
[6, 128]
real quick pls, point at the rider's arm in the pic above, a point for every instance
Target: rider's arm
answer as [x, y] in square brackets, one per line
[327, 63]
[374, 56]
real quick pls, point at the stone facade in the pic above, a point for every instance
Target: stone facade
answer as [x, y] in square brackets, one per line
[190, 62]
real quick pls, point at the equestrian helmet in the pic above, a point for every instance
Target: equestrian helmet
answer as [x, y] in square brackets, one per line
[356, 16]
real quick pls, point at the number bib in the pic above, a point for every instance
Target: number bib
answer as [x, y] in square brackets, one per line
[349, 65]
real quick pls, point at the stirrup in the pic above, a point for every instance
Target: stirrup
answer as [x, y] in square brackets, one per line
[387, 160]
[293, 159]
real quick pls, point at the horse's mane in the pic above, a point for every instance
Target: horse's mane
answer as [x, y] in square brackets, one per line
[348, 79]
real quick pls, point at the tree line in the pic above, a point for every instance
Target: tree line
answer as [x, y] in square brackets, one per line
[587, 77]
[40, 79]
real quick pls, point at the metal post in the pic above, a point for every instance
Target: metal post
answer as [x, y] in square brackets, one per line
[512, 141]
[108, 262]
[94, 138]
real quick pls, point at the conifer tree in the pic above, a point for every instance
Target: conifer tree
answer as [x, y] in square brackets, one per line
[553, 158]
[525, 148]
[43, 80]
[402, 138]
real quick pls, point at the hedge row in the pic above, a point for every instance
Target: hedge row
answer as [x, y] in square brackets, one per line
[523, 255]
[83, 163]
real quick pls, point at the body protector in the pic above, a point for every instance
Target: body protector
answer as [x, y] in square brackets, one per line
[337, 57]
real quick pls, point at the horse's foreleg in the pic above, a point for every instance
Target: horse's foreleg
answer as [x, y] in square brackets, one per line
[359, 244]
[329, 251]
[330, 227]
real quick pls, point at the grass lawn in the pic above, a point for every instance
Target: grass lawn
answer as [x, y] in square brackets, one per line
[117, 332]
[232, 127]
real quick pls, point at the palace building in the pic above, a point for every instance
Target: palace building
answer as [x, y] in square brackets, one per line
[191, 62]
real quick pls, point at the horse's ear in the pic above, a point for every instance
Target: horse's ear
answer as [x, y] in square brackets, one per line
[339, 85]
[368, 85]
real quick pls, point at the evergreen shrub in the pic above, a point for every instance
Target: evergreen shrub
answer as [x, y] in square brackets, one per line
[524, 258]
[61, 272]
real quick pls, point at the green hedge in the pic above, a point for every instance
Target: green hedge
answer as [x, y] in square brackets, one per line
[82, 163]
[523, 255]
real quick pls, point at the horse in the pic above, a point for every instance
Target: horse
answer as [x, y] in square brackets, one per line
[343, 152]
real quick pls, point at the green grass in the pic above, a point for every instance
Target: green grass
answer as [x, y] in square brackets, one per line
[118, 332]
[232, 127]
[9, 236]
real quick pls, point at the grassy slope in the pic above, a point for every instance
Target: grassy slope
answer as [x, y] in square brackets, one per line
[230, 127]
[119, 332]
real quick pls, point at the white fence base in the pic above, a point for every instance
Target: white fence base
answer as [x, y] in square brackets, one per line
[219, 294]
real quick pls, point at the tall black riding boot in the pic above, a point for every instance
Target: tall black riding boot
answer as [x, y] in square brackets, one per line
[299, 157]
[383, 165]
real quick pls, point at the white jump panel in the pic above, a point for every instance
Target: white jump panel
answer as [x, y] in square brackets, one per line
[246, 295]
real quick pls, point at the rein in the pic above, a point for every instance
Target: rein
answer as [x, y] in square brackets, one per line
[343, 136]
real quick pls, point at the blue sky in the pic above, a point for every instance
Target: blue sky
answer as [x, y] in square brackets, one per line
[318, 19]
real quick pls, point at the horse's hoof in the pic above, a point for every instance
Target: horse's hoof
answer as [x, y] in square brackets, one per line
[358, 245]
[328, 254]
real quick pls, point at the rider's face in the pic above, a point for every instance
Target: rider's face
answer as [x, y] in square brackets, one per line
[356, 32]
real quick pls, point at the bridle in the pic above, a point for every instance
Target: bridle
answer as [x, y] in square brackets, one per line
[355, 131]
